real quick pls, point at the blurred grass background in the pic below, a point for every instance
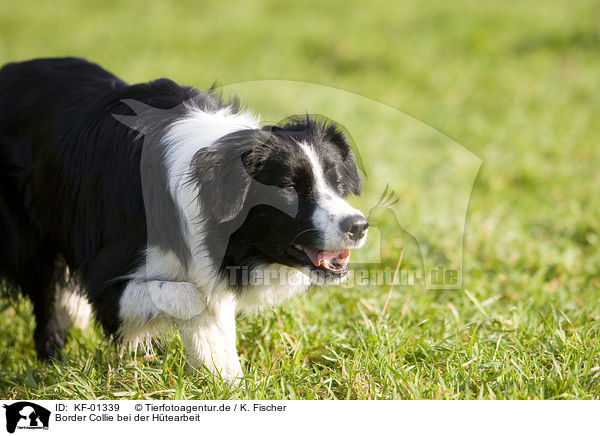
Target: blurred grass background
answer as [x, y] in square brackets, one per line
[516, 83]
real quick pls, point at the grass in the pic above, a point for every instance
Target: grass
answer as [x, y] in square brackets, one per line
[516, 84]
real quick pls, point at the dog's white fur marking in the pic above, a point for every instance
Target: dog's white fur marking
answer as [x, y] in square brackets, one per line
[210, 340]
[208, 330]
[72, 309]
[141, 318]
[160, 265]
[331, 207]
[275, 284]
[199, 129]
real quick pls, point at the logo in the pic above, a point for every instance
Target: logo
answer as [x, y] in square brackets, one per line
[26, 415]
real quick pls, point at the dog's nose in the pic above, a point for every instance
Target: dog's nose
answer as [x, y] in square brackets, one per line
[355, 226]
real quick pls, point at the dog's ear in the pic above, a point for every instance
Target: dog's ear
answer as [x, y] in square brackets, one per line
[224, 181]
[348, 165]
[224, 173]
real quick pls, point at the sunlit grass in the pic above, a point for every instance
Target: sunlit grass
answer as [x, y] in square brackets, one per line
[515, 83]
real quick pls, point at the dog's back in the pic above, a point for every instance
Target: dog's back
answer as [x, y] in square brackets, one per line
[70, 184]
[41, 103]
[70, 190]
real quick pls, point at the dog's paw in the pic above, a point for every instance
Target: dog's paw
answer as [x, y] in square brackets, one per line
[231, 374]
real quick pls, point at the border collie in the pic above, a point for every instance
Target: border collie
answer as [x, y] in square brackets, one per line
[165, 205]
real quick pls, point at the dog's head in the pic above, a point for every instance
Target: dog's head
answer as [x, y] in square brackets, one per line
[276, 196]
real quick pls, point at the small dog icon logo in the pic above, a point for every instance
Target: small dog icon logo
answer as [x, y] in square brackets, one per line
[26, 415]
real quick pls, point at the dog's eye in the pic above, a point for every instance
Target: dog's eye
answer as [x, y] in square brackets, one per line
[290, 188]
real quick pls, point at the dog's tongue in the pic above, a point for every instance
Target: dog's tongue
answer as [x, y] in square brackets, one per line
[325, 258]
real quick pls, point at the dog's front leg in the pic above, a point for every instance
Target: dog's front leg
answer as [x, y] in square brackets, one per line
[210, 340]
[208, 330]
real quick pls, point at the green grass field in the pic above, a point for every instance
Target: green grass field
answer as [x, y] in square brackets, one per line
[517, 84]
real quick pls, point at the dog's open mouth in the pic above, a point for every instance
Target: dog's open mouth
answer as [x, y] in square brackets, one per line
[335, 261]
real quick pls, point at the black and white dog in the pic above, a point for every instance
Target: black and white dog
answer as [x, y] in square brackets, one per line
[167, 205]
